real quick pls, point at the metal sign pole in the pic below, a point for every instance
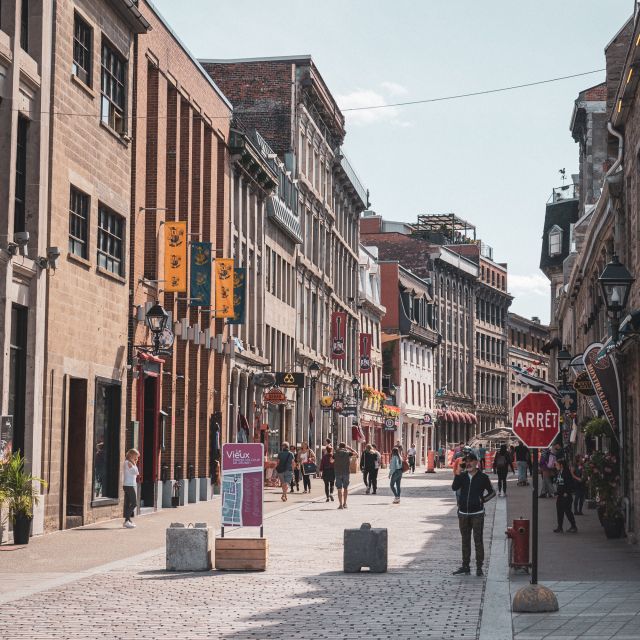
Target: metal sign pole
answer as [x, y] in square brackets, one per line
[534, 519]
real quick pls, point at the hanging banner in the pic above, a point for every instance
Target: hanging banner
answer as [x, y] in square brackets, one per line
[338, 333]
[242, 484]
[365, 352]
[175, 257]
[239, 296]
[604, 377]
[223, 268]
[200, 294]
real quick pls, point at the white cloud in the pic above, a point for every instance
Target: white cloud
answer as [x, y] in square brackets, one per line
[529, 285]
[369, 98]
[394, 89]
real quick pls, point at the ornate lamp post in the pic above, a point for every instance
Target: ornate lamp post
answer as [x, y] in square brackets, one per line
[564, 359]
[156, 320]
[615, 284]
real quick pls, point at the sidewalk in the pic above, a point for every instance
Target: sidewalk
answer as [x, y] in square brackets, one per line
[303, 594]
[596, 580]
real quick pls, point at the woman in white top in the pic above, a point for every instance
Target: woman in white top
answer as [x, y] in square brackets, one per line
[129, 481]
[305, 455]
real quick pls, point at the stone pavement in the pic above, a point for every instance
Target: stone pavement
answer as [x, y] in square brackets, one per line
[596, 580]
[303, 594]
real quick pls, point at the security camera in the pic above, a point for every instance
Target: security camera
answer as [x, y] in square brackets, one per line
[53, 254]
[21, 238]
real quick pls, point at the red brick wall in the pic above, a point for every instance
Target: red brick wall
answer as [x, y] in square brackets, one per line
[389, 294]
[412, 252]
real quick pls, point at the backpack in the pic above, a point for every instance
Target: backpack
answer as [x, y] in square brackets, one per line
[501, 460]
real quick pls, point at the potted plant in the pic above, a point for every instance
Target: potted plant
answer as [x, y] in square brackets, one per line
[597, 427]
[3, 500]
[22, 494]
[603, 477]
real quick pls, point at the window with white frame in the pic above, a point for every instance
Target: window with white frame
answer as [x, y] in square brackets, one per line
[555, 241]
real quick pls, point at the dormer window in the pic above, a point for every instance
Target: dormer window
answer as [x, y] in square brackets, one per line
[555, 241]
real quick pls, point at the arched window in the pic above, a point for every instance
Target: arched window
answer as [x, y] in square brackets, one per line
[555, 240]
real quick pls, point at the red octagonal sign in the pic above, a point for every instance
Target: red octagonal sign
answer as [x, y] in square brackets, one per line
[536, 420]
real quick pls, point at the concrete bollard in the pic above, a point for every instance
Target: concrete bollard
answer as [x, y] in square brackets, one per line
[189, 548]
[365, 547]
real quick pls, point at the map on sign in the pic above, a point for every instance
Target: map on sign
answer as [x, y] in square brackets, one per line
[232, 499]
[242, 484]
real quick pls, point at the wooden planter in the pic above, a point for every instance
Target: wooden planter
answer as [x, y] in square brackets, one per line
[241, 554]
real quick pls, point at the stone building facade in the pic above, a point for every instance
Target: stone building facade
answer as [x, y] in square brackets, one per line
[298, 117]
[25, 93]
[181, 134]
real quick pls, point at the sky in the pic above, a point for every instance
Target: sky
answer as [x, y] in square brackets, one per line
[493, 159]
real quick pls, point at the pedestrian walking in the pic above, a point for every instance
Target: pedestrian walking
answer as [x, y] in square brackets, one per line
[376, 468]
[395, 473]
[547, 471]
[284, 469]
[342, 462]
[473, 489]
[328, 472]
[307, 461]
[564, 498]
[522, 462]
[369, 468]
[441, 457]
[400, 448]
[578, 480]
[295, 478]
[482, 452]
[501, 465]
[411, 453]
[129, 483]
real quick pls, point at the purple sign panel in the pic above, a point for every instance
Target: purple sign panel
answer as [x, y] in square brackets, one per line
[242, 484]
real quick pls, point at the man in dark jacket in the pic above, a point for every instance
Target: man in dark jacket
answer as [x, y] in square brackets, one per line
[368, 466]
[473, 489]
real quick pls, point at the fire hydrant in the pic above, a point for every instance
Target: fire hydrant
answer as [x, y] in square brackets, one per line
[519, 548]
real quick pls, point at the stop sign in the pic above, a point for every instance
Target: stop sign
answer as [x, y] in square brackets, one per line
[536, 420]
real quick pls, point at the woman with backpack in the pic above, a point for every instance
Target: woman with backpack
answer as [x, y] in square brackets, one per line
[501, 464]
[284, 469]
[395, 473]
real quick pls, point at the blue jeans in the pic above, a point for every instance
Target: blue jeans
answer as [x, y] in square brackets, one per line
[522, 470]
[395, 483]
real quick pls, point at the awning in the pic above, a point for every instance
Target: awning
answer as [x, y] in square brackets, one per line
[474, 420]
[448, 416]
[467, 418]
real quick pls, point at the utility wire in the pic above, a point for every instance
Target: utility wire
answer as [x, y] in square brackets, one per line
[475, 93]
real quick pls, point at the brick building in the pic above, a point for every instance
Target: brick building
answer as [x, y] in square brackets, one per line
[296, 114]
[25, 93]
[181, 125]
[88, 294]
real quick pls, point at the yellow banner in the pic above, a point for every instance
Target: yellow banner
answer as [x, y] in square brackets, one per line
[175, 257]
[223, 268]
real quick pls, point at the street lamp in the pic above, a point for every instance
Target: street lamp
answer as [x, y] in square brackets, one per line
[564, 358]
[314, 372]
[615, 284]
[355, 385]
[157, 319]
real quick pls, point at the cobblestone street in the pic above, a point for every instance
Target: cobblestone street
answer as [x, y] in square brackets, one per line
[303, 594]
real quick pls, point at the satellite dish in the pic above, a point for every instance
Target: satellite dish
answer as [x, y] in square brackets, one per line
[264, 379]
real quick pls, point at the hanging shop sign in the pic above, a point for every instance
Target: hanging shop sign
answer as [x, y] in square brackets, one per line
[426, 419]
[242, 484]
[338, 406]
[264, 379]
[338, 334]
[326, 402]
[365, 352]
[349, 410]
[603, 374]
[275, 395]
[389, 424]
[175, 257]
[200, 293]
[582, 385]
[239, 296]
[568, 400]
[223, 269]
[290, 379]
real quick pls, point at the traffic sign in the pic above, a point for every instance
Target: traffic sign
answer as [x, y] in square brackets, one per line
[536, 420]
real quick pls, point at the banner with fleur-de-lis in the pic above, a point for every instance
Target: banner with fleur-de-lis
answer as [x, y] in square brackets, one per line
[175, 257]
[224, 287]
[200, 293]
[239, 296]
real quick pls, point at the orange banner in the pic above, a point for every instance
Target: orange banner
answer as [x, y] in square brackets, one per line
[175, 257]
[223, 269]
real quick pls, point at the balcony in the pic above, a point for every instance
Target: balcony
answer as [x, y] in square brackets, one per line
[416, 331]
[359, 188]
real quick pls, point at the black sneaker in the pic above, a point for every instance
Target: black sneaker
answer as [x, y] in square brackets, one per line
[558, 530]
[479, 572]
[572, 530]
[462, 571]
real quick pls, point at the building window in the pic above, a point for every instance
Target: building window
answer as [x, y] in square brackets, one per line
[110, 241]
[18, 375]
[19, 220]
[106, 444]
[81, 50]
[555, 241]
[78, 219]
[24, 25]
[113, 88]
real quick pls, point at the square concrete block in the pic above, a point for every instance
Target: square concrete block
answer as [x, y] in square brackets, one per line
[189, 548]
[365, 547]
[167, 492]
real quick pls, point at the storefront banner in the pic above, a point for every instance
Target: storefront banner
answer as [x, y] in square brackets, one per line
[6, 438]
[604, 377]
[223, 269]
[242, 484]
[175, 257]
[200, 294]
[338, 333]
[365, 352]
[239, 296]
